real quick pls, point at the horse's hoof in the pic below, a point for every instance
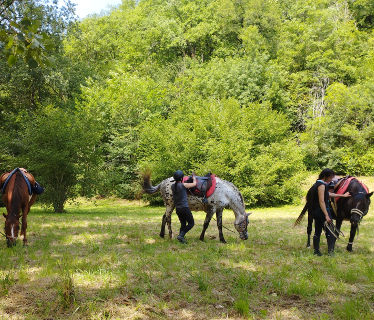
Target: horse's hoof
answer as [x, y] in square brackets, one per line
[349, 248]
[162, 235]
[223, 241]
[308, 246]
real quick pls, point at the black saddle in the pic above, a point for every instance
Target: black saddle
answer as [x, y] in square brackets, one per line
[203, 184]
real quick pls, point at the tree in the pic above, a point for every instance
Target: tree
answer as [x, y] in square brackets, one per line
[60, 148]
[28, 29]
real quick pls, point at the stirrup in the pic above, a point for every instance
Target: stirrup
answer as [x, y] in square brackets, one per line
[334, 231]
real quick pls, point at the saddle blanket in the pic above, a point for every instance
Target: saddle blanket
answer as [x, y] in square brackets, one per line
[204, 185]
[29, 187]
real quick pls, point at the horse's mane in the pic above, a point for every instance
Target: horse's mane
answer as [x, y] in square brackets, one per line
[236, 189]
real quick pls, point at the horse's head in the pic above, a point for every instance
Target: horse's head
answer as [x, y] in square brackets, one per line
[241, 227]
[361, 202]
[11, 229]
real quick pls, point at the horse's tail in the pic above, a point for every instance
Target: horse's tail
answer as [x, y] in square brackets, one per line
[147, 185]
[301, 216]
[15, 197]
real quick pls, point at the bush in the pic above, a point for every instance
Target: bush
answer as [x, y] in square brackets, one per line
[251, 147]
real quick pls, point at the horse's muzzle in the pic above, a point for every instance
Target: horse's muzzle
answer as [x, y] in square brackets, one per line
[243, 235]
[11, 242]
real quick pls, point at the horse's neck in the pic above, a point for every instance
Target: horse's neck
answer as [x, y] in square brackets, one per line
[355, 187]
[236, 202]
[239, 211]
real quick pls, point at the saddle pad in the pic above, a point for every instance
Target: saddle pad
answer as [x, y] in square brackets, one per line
[211, 190]
[10, 175]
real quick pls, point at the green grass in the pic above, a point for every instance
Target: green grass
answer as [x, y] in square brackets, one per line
[105, 260]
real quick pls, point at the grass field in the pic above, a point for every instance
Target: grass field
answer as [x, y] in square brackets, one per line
[105, 260]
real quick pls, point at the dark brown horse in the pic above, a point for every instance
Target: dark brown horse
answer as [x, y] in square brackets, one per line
[352, 209]
[17, 199]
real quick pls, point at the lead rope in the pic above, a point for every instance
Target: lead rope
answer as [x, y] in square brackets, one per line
[334, 231]
[224, 226]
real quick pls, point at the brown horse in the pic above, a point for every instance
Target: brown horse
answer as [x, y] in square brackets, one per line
[17, 198]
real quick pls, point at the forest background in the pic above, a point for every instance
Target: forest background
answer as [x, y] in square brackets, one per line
[259, 92]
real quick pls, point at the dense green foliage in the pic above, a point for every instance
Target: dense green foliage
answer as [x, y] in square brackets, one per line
[256, 91]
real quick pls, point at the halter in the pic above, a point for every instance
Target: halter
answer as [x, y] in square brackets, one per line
[240, 227]
[358, 212]
[359, 195]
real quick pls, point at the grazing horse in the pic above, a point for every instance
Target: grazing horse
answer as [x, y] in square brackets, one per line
[352, 209]
[226, 195]
[17, 198]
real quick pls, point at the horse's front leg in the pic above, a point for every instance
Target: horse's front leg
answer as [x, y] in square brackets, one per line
[219, 225]
[208, 217]
[351, 237]
[309, 228]
[339, 223]
[24, 226]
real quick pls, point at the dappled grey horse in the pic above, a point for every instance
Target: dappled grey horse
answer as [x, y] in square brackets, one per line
[226, 195]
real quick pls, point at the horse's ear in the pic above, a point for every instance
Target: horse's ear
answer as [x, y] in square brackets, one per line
[369, 195]
[4, 215]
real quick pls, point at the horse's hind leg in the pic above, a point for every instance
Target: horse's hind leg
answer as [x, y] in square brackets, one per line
[166, 218]
[219, 225]
[309, 229]
[208, 217]
[351, 238]
[162, 232]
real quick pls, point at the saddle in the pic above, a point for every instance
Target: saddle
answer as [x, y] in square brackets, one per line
[205, 185]
[342, 186]
[32, 185]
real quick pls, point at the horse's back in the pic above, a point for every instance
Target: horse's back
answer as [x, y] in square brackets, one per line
[17, 186]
